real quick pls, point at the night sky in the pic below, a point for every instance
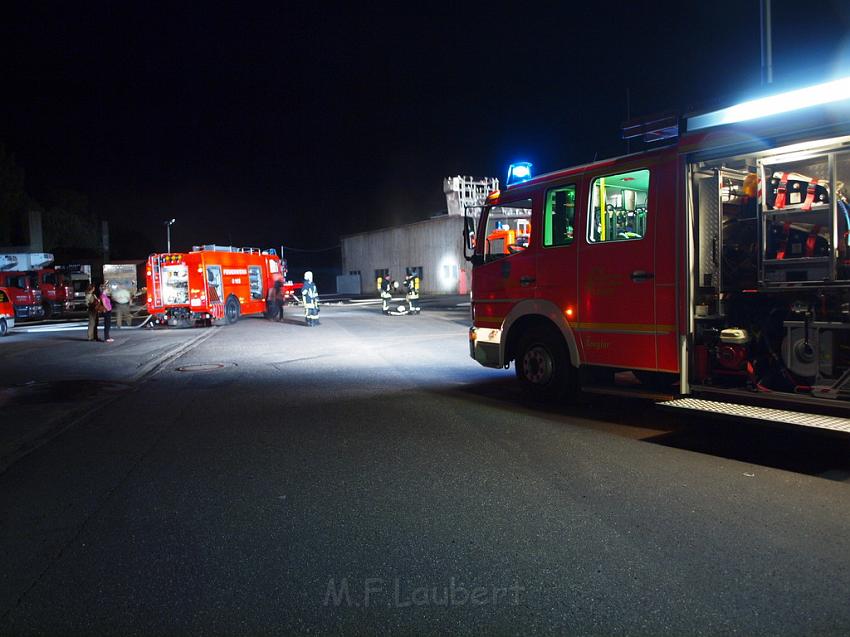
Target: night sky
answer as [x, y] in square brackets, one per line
[301, 122]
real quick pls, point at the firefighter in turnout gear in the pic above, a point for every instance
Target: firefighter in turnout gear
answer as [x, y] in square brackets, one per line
[310, 297]
[411, 295]
[386, 285]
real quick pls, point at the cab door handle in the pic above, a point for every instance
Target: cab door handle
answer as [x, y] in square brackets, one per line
[640, 275]
[525, 281]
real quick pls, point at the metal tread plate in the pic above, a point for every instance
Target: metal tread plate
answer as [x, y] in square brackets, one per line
[761, 413]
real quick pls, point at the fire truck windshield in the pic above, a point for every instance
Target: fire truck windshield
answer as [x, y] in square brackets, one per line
[20, 281]
[507, 230]
[175, 284]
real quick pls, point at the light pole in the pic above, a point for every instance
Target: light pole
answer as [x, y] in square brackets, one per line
[168, 231]
[766, 44]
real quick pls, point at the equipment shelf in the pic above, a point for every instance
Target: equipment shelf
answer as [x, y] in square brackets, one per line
[797, 209]
[793, 261]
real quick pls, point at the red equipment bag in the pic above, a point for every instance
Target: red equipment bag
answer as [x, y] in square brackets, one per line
[793, 189]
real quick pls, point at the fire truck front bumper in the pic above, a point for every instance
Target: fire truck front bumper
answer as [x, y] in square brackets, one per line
[178, 315]
[78, 304]
[29, 312]
[485, 346]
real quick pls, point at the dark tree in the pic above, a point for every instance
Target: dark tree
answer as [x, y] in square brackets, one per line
[13, 197]
[69, 227]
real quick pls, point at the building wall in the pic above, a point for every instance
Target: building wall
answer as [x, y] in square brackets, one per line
[434, 244]
[26, 233]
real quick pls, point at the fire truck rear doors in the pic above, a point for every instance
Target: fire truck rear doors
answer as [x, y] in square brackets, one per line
[616, 323]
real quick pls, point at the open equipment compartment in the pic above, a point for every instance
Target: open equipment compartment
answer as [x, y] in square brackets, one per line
[799, 228]
[771, 304]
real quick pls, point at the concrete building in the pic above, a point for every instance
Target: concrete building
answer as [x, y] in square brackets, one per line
[26, 233]
[432, 248]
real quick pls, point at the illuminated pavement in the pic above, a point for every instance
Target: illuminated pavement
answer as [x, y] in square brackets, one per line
[366, 476]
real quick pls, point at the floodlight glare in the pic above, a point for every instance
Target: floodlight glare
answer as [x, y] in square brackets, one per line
[826, 93]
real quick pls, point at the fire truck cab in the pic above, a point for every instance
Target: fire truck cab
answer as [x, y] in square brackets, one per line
[57, 292]
[76, 278]
[211, 283]
[25, 295]
[713, 271]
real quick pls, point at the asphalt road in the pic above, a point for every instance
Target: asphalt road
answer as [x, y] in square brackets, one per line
[366, 476]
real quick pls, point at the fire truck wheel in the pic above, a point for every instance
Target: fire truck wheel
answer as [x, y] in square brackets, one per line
[4, 327]
[543, 366]
[48, 310]
[231, 310]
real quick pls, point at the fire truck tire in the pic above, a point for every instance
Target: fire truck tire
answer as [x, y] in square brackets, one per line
[4, 327]
[231, 310]
[48, 310]
[543, 366]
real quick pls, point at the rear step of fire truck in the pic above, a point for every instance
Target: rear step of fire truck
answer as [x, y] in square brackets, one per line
[753, 412]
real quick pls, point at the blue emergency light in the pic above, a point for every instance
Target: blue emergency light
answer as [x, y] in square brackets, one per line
[519, 172]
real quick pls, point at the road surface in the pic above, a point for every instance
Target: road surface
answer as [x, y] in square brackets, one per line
[366, 476]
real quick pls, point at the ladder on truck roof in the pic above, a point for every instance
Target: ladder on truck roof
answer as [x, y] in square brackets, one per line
[212, 247]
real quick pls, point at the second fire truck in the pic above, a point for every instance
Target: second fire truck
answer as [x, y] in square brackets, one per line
[211, 283]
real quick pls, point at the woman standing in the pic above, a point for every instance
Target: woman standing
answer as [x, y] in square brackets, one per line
[106, 310]
[92, 301]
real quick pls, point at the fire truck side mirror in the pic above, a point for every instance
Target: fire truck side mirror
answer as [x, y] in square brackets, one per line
[468, 237]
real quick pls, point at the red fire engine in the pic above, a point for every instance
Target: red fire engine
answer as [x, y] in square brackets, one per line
[713, 270]
[25, 295]
[57, 292]
[210, 283]
[21, 274]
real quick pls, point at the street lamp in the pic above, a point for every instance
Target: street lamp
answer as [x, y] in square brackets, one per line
[168, 231]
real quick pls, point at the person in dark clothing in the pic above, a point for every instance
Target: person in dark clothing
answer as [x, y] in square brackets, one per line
[411, 286]
[387, 285]
[278, 298]
[92, 302]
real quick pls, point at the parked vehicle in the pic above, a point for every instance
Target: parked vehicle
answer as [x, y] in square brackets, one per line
[125, 274]
[22, 274]
[23, 290]
[211, 283]
[7, 312]
[714, 270]
[78, 278]
[57, 293]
